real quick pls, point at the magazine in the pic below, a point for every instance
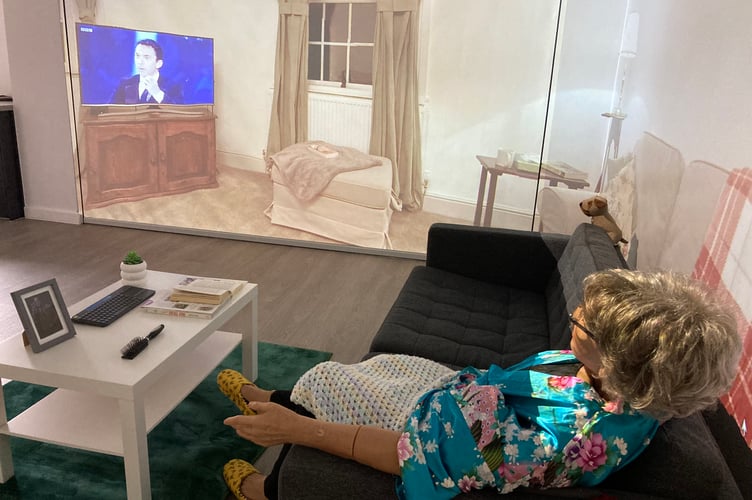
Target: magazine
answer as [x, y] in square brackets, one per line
[531, 163]
[205, 290]
[564, 170]
[160, 303]
[527, 163]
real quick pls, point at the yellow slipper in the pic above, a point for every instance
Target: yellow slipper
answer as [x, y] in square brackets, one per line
[230, 382]
[235, 471]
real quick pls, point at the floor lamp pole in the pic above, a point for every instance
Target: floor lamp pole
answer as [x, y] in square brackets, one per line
[614, 134]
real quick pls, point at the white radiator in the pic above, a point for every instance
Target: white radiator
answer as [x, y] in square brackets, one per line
[340, 120]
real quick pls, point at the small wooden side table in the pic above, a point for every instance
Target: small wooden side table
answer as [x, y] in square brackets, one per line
[488, 166]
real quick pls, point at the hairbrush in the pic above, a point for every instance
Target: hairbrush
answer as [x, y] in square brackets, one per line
[138, 344]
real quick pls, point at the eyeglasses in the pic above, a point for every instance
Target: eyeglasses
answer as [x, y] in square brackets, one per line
[581, 327]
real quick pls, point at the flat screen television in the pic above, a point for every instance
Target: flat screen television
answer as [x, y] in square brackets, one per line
[116, 67]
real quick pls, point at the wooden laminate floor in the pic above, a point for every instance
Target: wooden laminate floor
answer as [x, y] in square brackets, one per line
[318, 299]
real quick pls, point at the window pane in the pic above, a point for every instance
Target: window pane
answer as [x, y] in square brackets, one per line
[314, 62]
[335, 59]
[363, 22]
[336, 22]
[360, 65]
[315, 13]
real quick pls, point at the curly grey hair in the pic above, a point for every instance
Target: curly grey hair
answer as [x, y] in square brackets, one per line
[668, 346]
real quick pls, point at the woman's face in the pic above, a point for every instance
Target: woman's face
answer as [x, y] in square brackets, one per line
[584, 347]
[147, 63]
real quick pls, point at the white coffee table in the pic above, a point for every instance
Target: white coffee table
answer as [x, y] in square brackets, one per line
[107, 404]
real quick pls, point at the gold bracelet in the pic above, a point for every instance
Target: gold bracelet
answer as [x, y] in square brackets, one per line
[355, 438]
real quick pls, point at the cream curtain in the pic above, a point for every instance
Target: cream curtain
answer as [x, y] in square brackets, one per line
[395, 127]
[289, 119]
[87, 10]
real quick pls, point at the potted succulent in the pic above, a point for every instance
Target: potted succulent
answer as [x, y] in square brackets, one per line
[133, 269]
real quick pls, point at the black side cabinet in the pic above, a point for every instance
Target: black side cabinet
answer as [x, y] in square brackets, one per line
[11, 189]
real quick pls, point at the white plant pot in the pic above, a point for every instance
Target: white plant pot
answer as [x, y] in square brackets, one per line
[133, 274]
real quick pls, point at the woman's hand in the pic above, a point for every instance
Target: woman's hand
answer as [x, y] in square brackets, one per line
[273, 424]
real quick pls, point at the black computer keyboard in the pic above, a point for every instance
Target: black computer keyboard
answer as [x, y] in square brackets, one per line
[107, 309]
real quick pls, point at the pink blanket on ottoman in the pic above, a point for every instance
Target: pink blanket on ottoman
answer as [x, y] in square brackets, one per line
[725, 264]
[307, 172]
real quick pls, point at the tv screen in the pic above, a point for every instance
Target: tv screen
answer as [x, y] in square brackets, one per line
[120, 66]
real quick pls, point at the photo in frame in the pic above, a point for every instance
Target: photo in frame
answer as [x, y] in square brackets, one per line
[43, 314]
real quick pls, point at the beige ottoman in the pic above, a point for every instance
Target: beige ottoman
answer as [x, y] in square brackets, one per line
[354, 208]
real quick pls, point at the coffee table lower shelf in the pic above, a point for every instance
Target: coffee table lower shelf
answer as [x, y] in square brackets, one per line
[92, 422]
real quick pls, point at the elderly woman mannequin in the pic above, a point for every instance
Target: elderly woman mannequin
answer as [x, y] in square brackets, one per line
[645, 348]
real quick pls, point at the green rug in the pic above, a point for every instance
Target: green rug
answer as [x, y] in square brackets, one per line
[186, 450]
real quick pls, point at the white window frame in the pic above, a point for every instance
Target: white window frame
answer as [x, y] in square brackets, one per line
[352, 89]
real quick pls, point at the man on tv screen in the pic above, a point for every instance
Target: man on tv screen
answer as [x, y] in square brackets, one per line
[147, 87]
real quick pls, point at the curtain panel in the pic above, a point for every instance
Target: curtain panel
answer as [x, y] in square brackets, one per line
[289, 118]
[87, 10]
[395, 127]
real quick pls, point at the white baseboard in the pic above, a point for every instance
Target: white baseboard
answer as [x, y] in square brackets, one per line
[53, 215]
[240, 161]
[503, 216]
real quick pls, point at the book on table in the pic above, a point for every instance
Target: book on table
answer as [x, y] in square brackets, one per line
[205, 290]
[194, 297]
[527, 163]
[564, 170]
[531, 163]
[160, 303]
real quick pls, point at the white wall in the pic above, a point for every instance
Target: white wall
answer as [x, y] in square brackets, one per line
[488, 67]
[690, 82]
[589, 42]
[40, 103]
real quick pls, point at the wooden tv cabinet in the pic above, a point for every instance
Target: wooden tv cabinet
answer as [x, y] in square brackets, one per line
[133, 156]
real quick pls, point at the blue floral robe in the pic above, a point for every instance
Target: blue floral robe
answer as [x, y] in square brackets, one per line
[513, 427]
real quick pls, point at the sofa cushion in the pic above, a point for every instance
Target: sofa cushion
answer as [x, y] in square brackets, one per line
[589, 250]
[688, 226]
[461, 321]
[732, 445]
[620, 193]
[658, 173]
[682, 461]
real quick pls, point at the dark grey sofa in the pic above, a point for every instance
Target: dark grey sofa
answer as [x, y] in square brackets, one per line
[496, 296]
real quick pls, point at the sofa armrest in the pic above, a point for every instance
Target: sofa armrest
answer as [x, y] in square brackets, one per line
[559, 209]
[519, 259]
[732, 445]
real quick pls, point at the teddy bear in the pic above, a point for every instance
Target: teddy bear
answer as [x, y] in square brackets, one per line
[596, 207]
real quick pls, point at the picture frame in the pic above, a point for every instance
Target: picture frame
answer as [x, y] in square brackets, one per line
[43, 314]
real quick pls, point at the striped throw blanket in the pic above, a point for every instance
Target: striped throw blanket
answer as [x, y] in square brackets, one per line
[725, 264]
